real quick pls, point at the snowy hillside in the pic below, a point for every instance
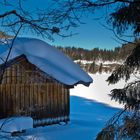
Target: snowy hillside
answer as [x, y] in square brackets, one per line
[99, 66]
[98, 62]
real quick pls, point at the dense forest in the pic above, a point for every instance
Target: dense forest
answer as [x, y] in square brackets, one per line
[95, 60]
[116, 54]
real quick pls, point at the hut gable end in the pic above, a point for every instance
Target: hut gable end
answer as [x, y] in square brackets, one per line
[20, 70]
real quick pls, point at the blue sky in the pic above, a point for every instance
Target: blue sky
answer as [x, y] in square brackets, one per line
[90, 35]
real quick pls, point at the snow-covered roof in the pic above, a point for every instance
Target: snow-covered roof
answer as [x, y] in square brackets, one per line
[48, 59]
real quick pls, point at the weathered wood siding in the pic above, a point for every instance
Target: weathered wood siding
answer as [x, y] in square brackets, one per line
[24, 72]
[27, 91]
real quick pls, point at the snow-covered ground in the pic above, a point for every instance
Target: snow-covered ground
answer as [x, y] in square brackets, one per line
[90, 108]
[99, 90]
[16, 124]
[98, 62]
[109, 62]
[83, 61]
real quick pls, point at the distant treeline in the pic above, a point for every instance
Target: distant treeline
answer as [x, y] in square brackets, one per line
[119, 53]
[97, 57]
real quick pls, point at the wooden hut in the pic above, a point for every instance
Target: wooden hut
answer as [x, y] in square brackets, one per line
[26, 90]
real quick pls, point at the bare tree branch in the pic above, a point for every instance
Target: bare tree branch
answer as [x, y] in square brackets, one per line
[9, 52]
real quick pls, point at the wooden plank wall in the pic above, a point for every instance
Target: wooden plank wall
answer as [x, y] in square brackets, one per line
[24, 73]
[25, 90]
[40, 101]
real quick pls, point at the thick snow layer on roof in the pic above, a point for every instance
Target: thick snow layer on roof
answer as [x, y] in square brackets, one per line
[48, 59]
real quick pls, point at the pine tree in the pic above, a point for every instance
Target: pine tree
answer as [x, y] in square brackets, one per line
[92, 67]
[126, 124]
[130, 94]
[100, 68]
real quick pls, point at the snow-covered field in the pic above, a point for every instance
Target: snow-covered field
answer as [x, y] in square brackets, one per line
[98, 62]
[99, 90]
[90, 108]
